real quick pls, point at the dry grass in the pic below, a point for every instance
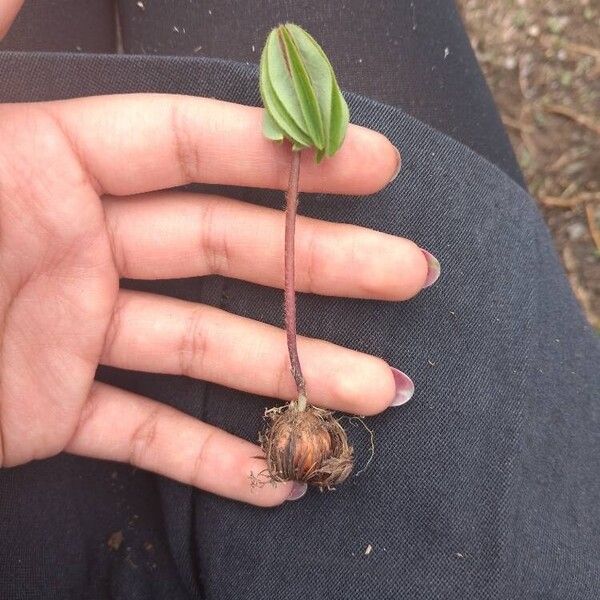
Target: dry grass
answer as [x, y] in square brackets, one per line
[542, 62]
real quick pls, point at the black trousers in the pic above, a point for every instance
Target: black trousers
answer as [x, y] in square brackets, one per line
[485, 485]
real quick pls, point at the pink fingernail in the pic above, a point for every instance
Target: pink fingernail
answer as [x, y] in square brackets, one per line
[398, 165]
[298, 490]
[405, 387]
[434, 269]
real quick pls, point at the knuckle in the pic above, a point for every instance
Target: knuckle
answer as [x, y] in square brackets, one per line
[114, 326]
[194, 344]
[314, 261]
[283, 386]
[143, 440]
[115, 240]
[185, 148]
[198, 465]
[214, 240]
[88, 412]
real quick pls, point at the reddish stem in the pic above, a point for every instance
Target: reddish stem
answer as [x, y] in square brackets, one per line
[291, 199]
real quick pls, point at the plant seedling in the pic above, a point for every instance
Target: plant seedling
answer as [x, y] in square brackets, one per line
[303, 105]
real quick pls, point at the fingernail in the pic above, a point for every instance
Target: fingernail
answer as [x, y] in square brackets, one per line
[298, 490]
[405, 388]
[434, 269]
[398, 165]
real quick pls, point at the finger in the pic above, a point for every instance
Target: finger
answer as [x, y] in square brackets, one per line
[125, 427]
[174, 234]
[8, 12]
[166, 335]
[142, 142]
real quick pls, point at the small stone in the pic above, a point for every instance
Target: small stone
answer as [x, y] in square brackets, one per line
[576, 231]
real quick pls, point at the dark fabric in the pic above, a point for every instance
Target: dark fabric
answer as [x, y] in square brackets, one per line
[483, 487]
[414, 55]
[63, 25]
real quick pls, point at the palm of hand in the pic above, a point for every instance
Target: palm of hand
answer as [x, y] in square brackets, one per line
[59, 286]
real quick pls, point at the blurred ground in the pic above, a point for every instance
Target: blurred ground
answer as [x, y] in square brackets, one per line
[542, 63]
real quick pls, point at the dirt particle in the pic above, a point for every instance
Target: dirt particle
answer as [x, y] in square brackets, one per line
[115, 540]
[537, 55]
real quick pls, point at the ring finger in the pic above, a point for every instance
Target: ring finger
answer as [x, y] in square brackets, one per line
[165, 335]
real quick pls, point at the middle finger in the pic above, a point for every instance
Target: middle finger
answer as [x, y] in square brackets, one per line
[161, 334]
[168, 235]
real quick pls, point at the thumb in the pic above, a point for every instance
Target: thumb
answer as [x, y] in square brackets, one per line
[8, 12]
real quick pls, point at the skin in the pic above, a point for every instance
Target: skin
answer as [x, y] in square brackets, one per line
[8, 12]
[81, 206]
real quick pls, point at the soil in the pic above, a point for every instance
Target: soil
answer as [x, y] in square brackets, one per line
[542, 63]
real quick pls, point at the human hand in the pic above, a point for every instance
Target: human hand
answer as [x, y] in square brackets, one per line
[79, 209]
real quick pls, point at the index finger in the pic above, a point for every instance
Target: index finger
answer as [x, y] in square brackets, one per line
[143, 142]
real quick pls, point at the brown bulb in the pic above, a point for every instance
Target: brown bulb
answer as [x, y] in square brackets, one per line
[306, 445]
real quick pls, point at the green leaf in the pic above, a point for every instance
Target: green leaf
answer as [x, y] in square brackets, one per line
[302, 99]
[320, 74]
[279, 81]
[305, 91]
[340, 117]
[277, 110]
[270, 128]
